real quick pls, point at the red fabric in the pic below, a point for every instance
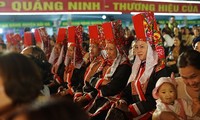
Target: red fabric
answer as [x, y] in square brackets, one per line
[141, 94]
[43, 34]
[61, 35]
[16, 38]
[93, 34]
[71, 34]
[138, 86]
[133, 111]
[9, 37]
[108, 31]
[28, 39]
[139, 28]
[114, 34]
[37, 36]
[88, 97]
[146, 116]
[93, 31]
[57, 78]
[69, 72]
[98, 84]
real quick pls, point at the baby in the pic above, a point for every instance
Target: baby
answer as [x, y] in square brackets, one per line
[166, 95]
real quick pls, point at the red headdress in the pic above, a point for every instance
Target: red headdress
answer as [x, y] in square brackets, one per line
[71, 36]
[75, 38]
[59, 42]
[62, 35]
[37, 36]
[41, 35]
[9, 37]
[28, 39]
[93, 34]
[114, 33]
[42, 40]
[13, 39]
[96, 35]
[146, 30]
[16, 38]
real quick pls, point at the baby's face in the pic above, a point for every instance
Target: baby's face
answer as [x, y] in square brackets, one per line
[167, 93]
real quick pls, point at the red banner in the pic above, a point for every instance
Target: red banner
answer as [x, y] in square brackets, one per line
[125, 6]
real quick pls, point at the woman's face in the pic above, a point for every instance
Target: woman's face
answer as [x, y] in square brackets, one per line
[57, 49]
[70, 51]
[191, 77]
[187, 31]
[176, 41]
[141, 49]
[111, 51]
[94, 50]
[196, 32]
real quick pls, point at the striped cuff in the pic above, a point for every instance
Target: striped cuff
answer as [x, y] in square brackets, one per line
[100, 93]
[78, 94]
[57, 78]
[134, 110]
[99, 82]
[88, 96]
[71, 91]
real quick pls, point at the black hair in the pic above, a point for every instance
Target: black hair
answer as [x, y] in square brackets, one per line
[55, 108]
[21, 78]
[27, 29]
[189, 58]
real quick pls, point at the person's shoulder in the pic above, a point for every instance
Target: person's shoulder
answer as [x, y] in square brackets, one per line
[181, 88]
[179, 80]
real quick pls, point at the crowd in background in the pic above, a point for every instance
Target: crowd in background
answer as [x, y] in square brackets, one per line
[108, 73]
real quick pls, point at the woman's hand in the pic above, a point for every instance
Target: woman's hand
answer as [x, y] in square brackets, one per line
[122, 105]
[80, 99]
[54, 69]
[62, 91]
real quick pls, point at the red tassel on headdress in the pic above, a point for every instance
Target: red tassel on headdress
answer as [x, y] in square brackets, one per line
[61, 35]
